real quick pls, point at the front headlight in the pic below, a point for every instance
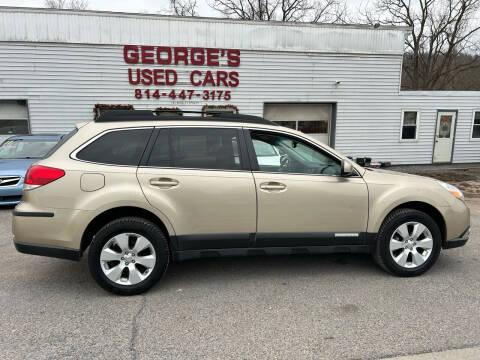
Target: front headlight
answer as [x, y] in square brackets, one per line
[452, 190]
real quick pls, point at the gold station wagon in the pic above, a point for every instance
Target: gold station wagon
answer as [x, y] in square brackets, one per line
[139, 190]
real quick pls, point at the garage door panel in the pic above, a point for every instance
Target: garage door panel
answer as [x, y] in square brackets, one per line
[312, 119]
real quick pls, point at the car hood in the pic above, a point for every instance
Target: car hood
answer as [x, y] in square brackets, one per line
[15, 166]
[381, 176]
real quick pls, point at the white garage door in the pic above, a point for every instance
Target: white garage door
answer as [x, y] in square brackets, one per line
[13, 118]
[312, 119]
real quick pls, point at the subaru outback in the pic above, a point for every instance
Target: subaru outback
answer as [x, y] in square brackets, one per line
[140, 190]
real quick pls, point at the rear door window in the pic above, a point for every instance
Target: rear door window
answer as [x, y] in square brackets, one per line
[197, 148]
[118, 147]
[160, 155]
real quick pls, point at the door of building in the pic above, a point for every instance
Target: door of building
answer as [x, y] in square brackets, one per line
[444, 136]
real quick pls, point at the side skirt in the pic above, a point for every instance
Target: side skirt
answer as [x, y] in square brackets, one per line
[268, 251]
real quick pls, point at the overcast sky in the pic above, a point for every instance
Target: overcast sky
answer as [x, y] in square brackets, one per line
[151, 6]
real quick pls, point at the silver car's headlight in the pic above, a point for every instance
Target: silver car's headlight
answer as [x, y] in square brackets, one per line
[452, 190]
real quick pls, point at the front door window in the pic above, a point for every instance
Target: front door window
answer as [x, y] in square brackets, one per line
[284, 154]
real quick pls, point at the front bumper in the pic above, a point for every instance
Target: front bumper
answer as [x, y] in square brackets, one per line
[11, 195]
[457, 242]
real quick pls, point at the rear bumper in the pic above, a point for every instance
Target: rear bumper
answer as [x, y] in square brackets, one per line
[33, 213]
[457, 242]
[49, 231]
[50, 251]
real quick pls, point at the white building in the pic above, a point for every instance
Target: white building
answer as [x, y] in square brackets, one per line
[341, 83]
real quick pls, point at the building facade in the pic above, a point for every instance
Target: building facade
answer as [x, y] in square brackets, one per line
[340, 84]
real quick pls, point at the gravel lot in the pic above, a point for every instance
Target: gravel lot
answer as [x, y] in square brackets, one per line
[465, 176]
[302, 307]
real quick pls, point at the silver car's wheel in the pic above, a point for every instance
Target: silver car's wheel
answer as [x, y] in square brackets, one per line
[127, 258]
[411, 244]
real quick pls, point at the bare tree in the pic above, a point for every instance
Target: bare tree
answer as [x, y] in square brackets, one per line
[283, 10]
[333, 11]
[184, 7]
[441, 32]
[64, 4]
[246, 9]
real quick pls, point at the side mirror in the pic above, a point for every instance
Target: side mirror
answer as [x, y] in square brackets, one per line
[347, 168]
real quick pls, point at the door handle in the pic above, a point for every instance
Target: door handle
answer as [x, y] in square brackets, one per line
[272, 186]
[164, 183]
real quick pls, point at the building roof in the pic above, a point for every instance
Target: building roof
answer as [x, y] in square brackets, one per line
[111, 28]
[198, 18]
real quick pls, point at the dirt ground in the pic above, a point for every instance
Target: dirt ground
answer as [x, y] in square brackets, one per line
[465, 176]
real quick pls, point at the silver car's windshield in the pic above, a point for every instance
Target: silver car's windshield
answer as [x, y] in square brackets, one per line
[25, 149]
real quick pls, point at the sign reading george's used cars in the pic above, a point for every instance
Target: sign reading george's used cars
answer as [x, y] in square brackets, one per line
[158, 70]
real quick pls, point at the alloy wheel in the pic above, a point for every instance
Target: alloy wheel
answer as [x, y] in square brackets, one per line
[127, 258]
[411, 244]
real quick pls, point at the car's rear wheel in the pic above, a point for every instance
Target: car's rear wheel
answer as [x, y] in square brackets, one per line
[128, 255]
[408, 243]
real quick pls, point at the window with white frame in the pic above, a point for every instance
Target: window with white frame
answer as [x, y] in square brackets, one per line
[476, 125]
[409, 125]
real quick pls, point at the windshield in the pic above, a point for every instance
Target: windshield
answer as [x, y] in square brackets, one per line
[25, 148]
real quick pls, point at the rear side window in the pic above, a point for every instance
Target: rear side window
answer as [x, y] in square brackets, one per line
[120, 147]
[197, 148]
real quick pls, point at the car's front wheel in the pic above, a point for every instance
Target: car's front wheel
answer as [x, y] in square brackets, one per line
[128, 256]
[408, 243]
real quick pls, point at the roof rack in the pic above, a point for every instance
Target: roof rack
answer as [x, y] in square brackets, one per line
[147, 115]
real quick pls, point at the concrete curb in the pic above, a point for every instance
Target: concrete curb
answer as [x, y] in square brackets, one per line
[457, 354]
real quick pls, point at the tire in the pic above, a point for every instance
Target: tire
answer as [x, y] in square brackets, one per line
[391, 246]
[132, 251]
